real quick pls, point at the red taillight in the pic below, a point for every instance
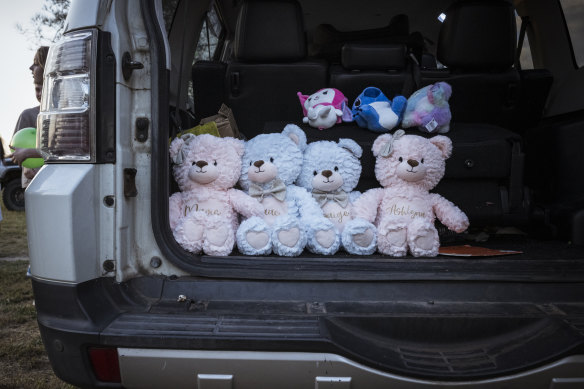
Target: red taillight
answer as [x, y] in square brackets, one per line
[106, 366]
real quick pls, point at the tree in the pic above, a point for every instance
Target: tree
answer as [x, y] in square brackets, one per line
[46, 27]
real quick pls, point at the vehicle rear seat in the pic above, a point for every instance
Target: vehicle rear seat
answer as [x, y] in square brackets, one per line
[362, 65]
[327, 42]
[270, 65]
[477, 44]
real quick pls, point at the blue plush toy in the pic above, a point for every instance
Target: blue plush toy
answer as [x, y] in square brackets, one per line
[373, 110]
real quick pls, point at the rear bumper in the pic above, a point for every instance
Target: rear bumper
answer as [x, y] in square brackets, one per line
[231, 369]
[274, 334]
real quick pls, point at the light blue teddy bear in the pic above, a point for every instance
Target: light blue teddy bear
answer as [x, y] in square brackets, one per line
[292, 219]
[330, 171]
[374, 111]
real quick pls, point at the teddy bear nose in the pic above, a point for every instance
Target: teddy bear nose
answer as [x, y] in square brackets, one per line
[413, 162]
[327, 173]
[258, 163]
[201, 164]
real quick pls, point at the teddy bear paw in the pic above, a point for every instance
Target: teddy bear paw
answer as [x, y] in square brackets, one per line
[396, 237]
[425, 244]
[217, 236]
[326, 238]
[393, 242]
[359, 237]
[254, 237]
[189, 235]
[289, 237]
[364, 239]
[423, 240]
[257, 240]
[193, 231]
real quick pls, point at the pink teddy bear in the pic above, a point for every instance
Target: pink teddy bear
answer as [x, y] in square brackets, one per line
[403, 210]
[203, 216]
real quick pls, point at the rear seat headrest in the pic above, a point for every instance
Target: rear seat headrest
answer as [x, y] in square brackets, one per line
[478, 35]
[363, 56]
[270, 31]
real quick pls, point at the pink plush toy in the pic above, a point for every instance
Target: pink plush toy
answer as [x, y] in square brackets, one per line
[325, 108]
[408, 167]
[203, 216]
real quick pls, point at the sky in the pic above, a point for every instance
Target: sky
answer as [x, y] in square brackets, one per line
[17, 50]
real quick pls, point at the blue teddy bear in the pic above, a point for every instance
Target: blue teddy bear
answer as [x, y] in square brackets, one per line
[374, 111]
[292, 219]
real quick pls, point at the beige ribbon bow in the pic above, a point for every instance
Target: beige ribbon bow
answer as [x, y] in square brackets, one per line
[340, 196]
[388, 148]
[277, 190]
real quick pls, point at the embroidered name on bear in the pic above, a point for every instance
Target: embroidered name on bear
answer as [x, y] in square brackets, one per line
[405, 210]
[271, 212]
[195, 207]
[338, 216]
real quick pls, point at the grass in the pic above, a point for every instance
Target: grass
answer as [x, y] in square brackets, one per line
[13, 241]
[23, 361]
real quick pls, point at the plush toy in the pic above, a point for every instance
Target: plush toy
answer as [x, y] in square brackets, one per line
[325, 108]
[203, 215]
[408, 167]
[330, 171]
[292, 220]
[374, 111]
[428, 109]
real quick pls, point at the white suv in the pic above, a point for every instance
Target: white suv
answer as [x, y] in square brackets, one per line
[121, 304]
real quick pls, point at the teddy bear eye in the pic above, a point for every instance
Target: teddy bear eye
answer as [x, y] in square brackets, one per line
[336, 169]
[357, 102]
[325, 92]
[215, 163]
[250, 163]
[315, 172]
[193, 164]
[422, 160]
[400, 159]
[271, 159]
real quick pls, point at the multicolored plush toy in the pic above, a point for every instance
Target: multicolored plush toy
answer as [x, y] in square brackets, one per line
[325, 108]
[330, 171]
[428, 109]
[374, 111]
[404, 211]
[203, 216]
[291, 218]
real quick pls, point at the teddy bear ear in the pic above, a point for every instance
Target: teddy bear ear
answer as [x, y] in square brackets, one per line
[443, 143]
[296, 134]
[351, 146]
[176, 152]
[381, 143]
[237, 144]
